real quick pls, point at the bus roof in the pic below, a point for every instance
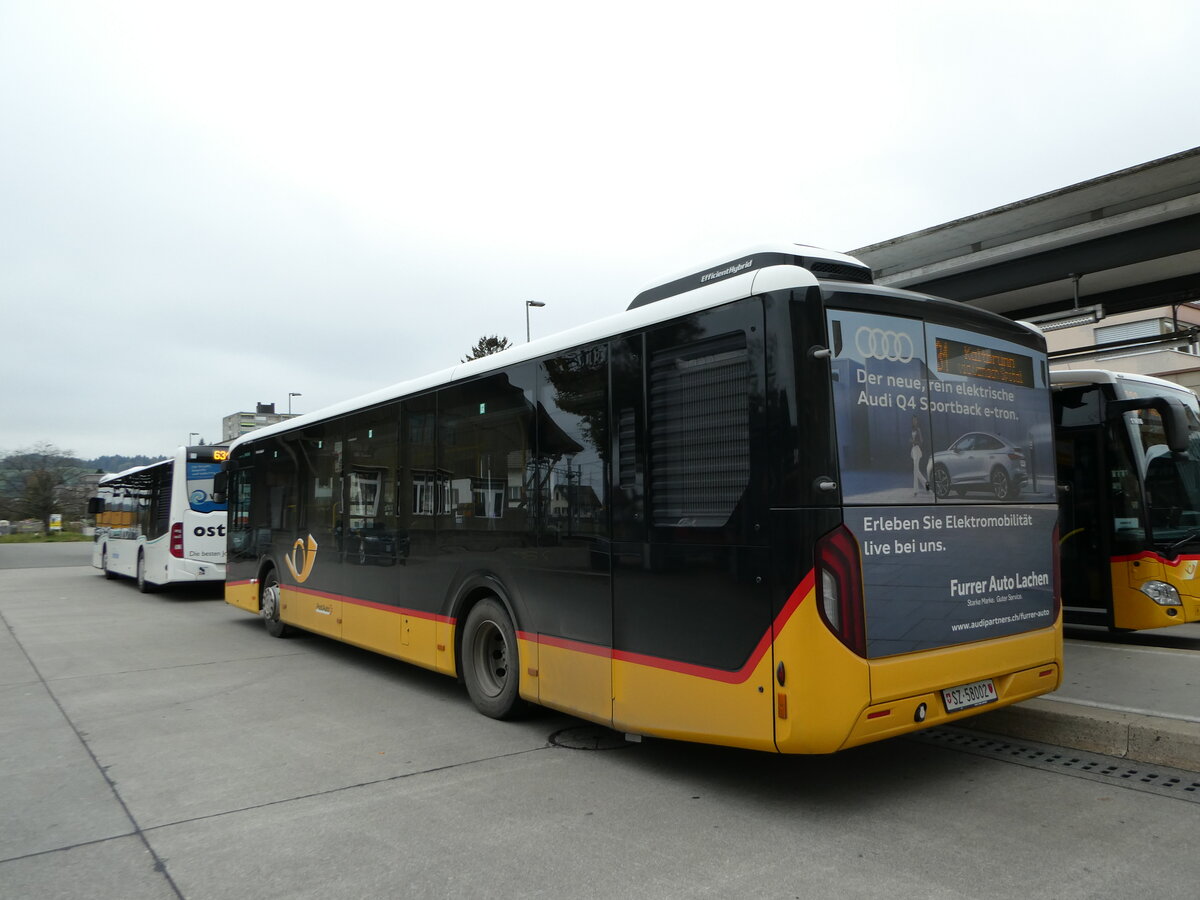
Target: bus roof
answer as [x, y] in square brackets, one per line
[771, 268]
[132, 471]
[1109, 376]
[821, 263]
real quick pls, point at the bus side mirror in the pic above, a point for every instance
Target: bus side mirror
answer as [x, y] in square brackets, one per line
[1174, 417]
[220, 482]
[95, 505]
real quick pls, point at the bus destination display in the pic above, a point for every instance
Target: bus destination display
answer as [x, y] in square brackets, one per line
[971, 361]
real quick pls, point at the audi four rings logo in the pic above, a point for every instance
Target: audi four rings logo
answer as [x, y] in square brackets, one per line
[875, 343]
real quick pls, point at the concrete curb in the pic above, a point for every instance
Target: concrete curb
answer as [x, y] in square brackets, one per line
[1145, 739]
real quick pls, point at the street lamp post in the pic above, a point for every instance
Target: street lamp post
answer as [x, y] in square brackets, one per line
[290, 396]
[528, 303]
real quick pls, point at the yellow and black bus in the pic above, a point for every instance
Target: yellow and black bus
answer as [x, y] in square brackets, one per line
[770, 505]
[1129, 462]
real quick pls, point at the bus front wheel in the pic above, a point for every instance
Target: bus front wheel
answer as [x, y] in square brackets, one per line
[269, 601]
[491, 667]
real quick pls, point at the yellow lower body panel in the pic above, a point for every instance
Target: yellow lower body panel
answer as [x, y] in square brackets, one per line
[578, 681]
[690, 706]
[1135, 611]
[242, 594]
[832, 699]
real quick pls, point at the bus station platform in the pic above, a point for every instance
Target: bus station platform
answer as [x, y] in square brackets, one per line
[1134, 696]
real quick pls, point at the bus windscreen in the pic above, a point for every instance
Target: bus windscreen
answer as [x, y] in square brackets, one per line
[200, 486]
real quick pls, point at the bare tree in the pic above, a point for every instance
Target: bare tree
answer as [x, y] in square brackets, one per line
[486, 346]
[36, 483]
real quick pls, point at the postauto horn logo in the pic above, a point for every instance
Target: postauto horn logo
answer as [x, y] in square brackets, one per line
[307, 552]
[875, 343]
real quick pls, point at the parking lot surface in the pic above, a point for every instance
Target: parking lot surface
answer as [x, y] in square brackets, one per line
[162, 745]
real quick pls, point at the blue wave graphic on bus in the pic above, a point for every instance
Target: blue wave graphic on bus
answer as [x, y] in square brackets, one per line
[200, 482]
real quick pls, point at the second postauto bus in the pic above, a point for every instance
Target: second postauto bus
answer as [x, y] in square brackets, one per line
[770, 505]
[1129, 463]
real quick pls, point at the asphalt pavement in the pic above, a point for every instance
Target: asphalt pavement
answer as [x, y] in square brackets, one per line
[163, 746]
[48, 555]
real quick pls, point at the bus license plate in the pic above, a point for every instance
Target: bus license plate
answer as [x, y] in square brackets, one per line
[978, 693]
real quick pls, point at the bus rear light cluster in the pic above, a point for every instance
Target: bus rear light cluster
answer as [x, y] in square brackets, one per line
[177, 539]
[840, 588]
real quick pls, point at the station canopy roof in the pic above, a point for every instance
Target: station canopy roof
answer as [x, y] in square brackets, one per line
[1126, 241]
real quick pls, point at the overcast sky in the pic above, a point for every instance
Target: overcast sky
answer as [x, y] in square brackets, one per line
[204, 206]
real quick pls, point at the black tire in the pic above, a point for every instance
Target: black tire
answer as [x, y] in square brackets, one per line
[1001, 485]
[491, 665]
[104, 565]
[143, 585]
[269, 602]
[941, 482]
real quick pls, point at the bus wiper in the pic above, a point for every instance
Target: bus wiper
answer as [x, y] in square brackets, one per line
[1190, 536]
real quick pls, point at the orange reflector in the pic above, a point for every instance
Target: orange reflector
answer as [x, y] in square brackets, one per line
[782, 698]
[532, 671]
[879, 714]
[441, 648]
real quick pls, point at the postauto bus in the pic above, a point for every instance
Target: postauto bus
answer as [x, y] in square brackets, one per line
[711, 517]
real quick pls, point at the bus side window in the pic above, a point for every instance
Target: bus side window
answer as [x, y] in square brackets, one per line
[628, 440]
[486, 440]
[699, 431]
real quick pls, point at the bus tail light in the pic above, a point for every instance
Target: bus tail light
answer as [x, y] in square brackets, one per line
[177, 539]
[840, 588]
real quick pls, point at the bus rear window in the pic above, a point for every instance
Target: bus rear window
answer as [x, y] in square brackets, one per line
[200, 486]
[931, 414]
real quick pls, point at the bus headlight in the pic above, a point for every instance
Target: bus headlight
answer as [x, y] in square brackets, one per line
[1161, 593]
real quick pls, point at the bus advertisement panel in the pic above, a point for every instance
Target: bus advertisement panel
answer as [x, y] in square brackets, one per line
[945, 447]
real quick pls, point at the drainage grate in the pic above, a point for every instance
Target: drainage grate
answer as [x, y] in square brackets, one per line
[588, 737]
[1162, 780]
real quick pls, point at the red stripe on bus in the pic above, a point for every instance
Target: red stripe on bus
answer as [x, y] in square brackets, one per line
[737, 676]
[550, 640]
[1149, 554]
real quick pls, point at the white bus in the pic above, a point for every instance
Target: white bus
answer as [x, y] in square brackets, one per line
[160, 523]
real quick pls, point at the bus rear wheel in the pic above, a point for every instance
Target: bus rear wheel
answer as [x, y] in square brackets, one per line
[143, 585]
[490, 660]
[269, 600]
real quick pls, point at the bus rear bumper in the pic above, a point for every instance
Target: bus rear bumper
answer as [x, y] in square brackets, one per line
[928, 710]
[195, 570]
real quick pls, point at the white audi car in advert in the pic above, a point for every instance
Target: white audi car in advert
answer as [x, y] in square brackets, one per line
[979, 461]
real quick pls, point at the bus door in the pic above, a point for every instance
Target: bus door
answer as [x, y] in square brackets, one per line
[1085, 507]
[691, 600]
[566, 480]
